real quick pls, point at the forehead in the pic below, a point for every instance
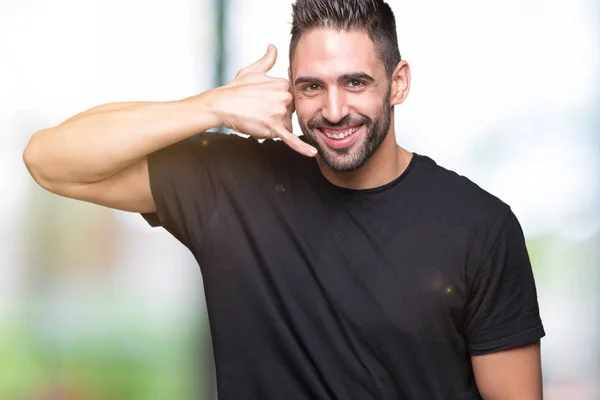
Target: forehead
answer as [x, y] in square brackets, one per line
[329, 53]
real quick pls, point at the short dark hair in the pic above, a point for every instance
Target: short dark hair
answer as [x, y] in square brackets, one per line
[375, 17]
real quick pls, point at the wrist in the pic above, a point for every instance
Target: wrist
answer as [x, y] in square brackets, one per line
[204, 109]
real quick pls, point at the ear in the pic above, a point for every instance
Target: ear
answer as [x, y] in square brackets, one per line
[293, 105]
[291, 82]
[400, 83]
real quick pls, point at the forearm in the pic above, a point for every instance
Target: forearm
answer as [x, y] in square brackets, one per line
[102, 141]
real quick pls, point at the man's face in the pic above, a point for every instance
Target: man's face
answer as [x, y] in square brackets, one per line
[342, 96]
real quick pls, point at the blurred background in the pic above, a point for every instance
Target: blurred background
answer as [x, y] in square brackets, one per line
[95, 304]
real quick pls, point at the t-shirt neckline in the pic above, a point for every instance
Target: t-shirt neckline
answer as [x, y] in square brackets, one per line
[362, 192]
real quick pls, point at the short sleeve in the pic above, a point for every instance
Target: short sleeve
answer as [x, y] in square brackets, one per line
[503, 311]
[184, 184]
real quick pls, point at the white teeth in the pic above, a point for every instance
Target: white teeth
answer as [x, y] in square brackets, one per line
[340, 135]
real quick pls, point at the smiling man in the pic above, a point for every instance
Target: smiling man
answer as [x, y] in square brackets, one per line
[342, 89]
[337, 265]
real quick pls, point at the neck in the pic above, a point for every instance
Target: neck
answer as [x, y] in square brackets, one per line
[387, 163]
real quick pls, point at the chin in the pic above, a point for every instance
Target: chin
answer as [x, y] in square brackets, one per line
[349, 162]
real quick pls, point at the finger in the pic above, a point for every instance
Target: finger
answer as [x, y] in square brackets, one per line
[287, 119]
[263, 65]
[296, 143]
[287, 123]
[292, 106]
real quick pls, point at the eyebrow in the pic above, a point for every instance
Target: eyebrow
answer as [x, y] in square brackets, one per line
[346, 77]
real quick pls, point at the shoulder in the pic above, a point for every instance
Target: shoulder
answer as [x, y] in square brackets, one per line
[458, 199]
[460, 206]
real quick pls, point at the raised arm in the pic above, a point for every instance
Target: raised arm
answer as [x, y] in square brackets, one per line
[99, 156]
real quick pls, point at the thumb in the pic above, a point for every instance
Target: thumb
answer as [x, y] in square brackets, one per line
[264, 64]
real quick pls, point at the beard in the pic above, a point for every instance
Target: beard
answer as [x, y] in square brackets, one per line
[350, 159]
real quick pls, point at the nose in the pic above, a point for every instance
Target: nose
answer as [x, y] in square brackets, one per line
[334, 107]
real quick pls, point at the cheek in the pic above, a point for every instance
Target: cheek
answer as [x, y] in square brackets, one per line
[306, 109]
[367, 104]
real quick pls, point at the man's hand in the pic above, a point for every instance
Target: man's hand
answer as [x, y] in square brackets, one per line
[259, 105]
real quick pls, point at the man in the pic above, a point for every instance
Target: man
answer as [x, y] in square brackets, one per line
[366, 272]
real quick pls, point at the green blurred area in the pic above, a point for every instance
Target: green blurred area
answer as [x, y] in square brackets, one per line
[136, 363]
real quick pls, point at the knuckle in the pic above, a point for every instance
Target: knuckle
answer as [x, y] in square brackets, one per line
[271, 121]
[280, 84]
[282, 110]
[268, 131]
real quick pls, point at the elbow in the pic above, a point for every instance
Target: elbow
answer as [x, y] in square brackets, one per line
[32, 157]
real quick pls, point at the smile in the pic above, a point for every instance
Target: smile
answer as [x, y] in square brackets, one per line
[337, 134]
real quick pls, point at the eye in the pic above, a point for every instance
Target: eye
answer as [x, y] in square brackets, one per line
[356, 83]
[313, 87]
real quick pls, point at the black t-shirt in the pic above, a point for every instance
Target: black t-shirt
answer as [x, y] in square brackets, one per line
[320, 292]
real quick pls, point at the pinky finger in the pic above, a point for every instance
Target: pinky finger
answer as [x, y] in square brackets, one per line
[296, 143]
